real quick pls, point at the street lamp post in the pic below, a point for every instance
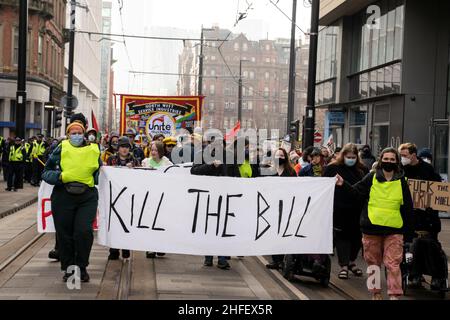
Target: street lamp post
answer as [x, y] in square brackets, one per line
[21, 95]
[291, 98]
[200, 63]
[308, 139]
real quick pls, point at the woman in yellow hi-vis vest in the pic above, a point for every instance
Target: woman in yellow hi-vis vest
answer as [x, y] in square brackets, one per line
[73, 169]
[386, 220]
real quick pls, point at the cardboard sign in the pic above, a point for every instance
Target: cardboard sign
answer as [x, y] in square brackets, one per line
[430, 194]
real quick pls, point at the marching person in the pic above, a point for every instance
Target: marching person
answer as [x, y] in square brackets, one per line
[316, 165]
[91, 135]
[113, 147]
[157, 159]
[28, 165]
[39, 147]
[74, 199]
[157, 156]
[347, 210]
[427, 223]
[16, 160]
[123, 158]
[137, 151]
[366, 157]
[169, 144]
[284, 168]
[386, 220]
[217, 167]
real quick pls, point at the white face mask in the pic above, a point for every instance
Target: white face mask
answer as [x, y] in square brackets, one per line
[406, 161]
[91, 138]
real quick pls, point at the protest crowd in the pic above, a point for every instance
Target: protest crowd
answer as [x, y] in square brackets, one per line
[373, 212]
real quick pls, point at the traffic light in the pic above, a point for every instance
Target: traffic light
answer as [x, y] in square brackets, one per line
[58, 118]
[294, 129]
[68, 113]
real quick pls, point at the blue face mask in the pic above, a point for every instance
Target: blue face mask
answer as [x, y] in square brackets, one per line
[349, 162]
[76, 139]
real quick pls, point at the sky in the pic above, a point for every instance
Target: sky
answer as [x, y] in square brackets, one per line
[186, 17]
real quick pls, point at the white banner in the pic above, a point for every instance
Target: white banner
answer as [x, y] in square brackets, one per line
[202, 215]
[44, 211]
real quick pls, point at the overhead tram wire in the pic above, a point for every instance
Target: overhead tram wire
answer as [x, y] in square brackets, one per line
[145, 37]
[124, 41]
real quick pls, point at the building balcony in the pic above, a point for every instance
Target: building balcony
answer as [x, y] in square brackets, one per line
[41, 7]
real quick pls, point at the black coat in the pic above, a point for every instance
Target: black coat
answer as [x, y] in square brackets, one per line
[424, 220]
[347, 209]
[362, 189]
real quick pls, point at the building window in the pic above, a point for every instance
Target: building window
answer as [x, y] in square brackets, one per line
[380, 131]
[213, 58]
[253, 59]
[213, 72]
[245, 74]
[267, 60]
[40, 45]
[12, 111]
[266, 92]
[377, 46]
[358, 124]
[267, 47]
[266, 75]
[211, 106]
[15, 46]
[212, 89]
[236, 46]
[250, 105]
[244, 47]
[266, 108]
[252, 74]
[250, 91]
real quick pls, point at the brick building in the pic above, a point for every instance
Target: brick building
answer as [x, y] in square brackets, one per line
[265, 74]
[45, 63]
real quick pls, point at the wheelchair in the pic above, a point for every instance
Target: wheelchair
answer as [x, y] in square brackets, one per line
[303, 264]
[432, 246]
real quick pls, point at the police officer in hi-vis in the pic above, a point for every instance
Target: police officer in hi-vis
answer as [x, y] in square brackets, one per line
[15, 170]
[73, 169]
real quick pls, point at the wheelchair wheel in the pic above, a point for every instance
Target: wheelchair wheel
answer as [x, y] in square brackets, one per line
[288, 267]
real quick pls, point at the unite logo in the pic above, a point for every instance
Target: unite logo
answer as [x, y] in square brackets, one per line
[160, 123]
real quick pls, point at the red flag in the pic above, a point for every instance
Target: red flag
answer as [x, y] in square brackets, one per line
[94, 121]
[233, 131]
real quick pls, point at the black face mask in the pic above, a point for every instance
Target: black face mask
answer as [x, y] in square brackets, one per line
[388, 166]
[281, 161]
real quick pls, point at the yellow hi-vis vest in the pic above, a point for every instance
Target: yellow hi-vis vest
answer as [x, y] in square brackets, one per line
[15, 153]
[78, 164]
[27, 148]
[38, 148]
[384, 203]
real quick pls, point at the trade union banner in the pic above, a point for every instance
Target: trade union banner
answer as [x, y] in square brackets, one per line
[151, 115]
[149, 210]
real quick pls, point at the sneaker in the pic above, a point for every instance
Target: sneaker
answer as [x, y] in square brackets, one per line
[224, 265]
[160, 254]
[125, 254]
[208, 262]
[150, 255]
[14, 189]
[84, 276]
[67, 275]
[377, 296]
[53, 254]
[393, 298]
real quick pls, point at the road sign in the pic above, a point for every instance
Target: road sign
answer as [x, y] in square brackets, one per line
[65, 99]
[317, 137]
